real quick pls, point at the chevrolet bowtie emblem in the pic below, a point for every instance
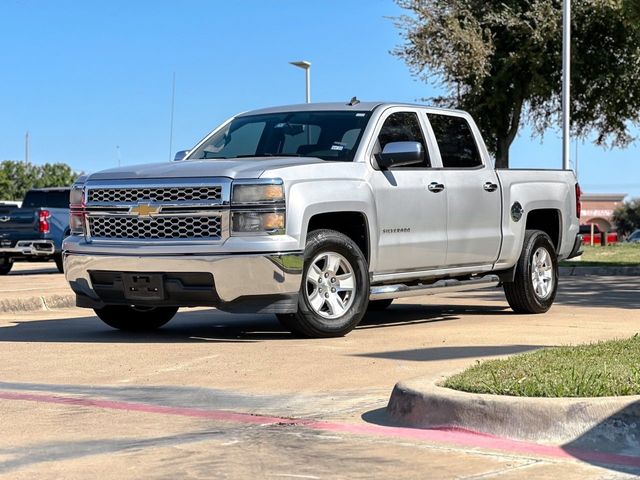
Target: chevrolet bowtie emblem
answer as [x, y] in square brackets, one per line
[144, 210]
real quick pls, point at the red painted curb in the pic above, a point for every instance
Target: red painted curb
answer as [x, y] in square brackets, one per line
[446, 435]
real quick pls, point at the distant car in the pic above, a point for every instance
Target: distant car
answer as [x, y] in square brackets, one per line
[634, 237]
[34, 231]
[585, 231]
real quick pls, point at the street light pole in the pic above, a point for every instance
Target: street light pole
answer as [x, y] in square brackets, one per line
[566, 83]
[306, 66]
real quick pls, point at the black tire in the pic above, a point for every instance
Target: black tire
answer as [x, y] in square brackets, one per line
[135, 319]
[5, 267]
[521, 293]
[379, 305]
[306, 321]
[59, 263]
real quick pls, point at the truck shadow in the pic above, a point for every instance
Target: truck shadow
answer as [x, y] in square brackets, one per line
[210, 325]
[585, 291]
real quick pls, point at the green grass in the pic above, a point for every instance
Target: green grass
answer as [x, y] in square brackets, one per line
[600, 369]
[622, 254]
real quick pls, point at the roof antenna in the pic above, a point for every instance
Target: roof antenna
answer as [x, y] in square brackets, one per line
[354, 101]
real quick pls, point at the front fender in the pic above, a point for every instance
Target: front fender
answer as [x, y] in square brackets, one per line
[308, 198]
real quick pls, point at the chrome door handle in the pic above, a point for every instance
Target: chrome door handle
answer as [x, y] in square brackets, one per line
[490, 187]
[435, 187]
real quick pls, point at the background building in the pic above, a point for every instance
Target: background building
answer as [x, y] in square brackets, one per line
[598, 208]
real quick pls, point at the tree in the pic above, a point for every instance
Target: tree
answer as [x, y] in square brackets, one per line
[501, 61]
[627, 216]
[18, 177]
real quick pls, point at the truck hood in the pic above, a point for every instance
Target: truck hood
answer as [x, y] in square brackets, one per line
[239, 168]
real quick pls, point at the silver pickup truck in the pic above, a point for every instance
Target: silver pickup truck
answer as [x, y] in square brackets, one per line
[317, 213]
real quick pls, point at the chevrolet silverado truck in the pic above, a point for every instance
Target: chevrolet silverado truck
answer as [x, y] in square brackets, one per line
[34, 231]
[317, 213]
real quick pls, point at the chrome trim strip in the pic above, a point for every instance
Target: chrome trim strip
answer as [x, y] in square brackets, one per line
[384, 292]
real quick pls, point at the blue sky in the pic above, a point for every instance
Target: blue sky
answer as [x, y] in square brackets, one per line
[91, 80]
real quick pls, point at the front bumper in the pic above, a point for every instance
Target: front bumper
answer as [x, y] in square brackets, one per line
[251, 283]
[30, 248]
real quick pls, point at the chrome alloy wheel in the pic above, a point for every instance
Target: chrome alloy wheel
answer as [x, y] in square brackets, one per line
[330, 285]
[542, 273]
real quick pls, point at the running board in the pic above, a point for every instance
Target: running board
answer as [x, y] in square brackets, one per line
[384, 292]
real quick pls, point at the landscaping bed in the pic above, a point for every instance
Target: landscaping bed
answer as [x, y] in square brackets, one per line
[622, 254]
[608, 368]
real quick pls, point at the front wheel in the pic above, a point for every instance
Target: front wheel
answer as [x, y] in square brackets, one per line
[536, 279]
[59, 262]
[135, 319]
[335, 287]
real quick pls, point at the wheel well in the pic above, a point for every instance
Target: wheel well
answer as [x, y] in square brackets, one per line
[548, 220]
[351, 224]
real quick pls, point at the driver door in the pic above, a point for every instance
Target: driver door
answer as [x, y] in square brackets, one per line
[411, 217]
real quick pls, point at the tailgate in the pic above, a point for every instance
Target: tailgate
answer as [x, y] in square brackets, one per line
[18, 224]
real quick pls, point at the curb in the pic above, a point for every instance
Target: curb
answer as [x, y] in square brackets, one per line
[37, 303]
[609, 423]
[579, 271]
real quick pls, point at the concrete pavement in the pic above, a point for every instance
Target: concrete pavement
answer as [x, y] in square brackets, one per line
[211, 362]
[34, 286]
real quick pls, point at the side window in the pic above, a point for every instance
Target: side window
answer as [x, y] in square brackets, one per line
[455, 139]
[403, 127]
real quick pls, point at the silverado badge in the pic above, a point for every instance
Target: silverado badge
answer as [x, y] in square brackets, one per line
[144, 210]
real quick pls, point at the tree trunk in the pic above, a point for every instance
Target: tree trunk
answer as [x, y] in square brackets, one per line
[502, 153]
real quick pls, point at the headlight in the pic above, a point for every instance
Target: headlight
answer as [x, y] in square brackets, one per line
[260, 223]
[76, 197]
[258, 193]
[77, 213]
[76, 223]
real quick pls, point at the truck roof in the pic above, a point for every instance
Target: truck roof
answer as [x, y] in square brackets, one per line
[338, 106]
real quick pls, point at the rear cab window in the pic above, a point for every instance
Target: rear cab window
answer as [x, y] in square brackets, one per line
[456, 142]
[46, 199]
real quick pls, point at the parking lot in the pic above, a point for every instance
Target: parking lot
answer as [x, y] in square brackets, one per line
[216, 395]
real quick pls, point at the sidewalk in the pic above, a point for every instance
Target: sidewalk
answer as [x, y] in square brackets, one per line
[34, 286]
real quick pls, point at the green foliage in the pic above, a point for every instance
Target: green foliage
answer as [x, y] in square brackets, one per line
[18, 177]
[501, 61]
[627, 216]
[596, 370]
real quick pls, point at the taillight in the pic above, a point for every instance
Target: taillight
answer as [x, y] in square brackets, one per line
[578, 203]
[43, 221]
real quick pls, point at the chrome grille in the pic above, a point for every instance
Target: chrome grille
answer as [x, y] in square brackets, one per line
[154, 194]
[167, 227]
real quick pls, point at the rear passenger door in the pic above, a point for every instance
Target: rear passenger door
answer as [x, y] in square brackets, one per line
[474, 203]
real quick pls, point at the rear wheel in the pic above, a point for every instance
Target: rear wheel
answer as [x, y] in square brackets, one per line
[335, 288]
[5, 266]
[135, 319]
[536, 280]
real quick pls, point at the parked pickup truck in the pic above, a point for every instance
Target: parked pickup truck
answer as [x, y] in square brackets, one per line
[317, 213]
[596, 238]
[34, 231]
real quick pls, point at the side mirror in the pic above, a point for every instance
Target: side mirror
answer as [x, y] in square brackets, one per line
[400, 154]
[180, 155]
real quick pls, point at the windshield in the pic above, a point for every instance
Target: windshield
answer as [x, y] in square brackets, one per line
[326, 135]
